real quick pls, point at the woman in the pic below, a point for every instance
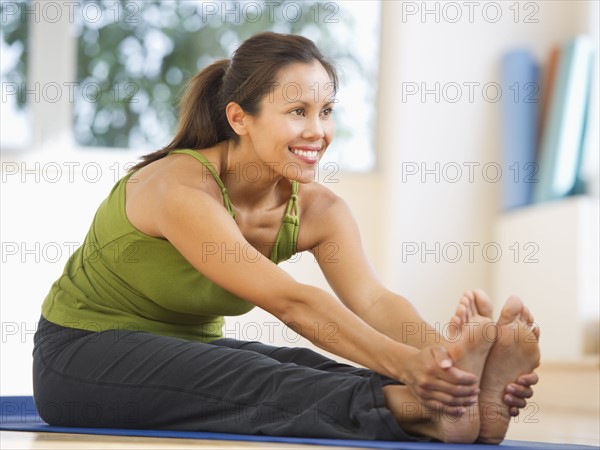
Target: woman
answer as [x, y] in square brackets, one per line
[130, 334]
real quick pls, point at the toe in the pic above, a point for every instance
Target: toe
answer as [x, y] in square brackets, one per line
[526, 315]
[473, 307]
[531, 320]
[462, 310]
[467, 305]
[453, 328]
[511, 310]
[483, 302]
[535, 329]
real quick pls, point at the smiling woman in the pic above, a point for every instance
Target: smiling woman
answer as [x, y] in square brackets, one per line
[195, 231]
[301, 124]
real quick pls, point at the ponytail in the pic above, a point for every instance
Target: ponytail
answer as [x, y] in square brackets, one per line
[202, 119]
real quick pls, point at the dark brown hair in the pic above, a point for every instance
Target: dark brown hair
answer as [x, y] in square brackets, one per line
[245, 79]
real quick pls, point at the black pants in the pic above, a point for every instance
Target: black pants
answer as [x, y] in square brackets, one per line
[132, 379]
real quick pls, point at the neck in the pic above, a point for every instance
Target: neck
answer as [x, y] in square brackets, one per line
[250, 182]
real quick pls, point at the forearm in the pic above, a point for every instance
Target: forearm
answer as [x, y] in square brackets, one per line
[330, 325]
[394, 316]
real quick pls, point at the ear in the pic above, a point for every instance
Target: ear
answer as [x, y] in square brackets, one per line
[237, 118]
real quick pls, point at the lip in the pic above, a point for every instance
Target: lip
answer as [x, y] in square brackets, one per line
[306, 148]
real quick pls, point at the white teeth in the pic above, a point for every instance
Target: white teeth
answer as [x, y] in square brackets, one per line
[304, 153]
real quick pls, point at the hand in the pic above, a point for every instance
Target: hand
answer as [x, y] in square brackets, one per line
[516, 393]
[431, 377]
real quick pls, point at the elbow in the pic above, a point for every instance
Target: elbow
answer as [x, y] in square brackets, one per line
[292, 304]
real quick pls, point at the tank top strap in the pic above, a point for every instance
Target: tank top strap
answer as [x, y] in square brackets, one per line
[200, 157]
[287, 238]
[292, 206]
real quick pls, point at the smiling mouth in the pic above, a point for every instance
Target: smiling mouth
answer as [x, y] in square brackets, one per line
[305, 154]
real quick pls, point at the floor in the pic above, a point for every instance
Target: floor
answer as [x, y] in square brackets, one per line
[19, 440]
[534, 425]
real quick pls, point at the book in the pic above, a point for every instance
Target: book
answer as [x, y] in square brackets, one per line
[562, 137]
[520, 111]
[546, 88]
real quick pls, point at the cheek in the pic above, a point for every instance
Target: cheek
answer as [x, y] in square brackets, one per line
[286, 131]
[329, 130]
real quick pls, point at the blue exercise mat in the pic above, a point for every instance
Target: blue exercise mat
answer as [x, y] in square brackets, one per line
[19, 414]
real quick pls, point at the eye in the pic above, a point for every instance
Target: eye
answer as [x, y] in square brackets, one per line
[298, 112]
[327, 112]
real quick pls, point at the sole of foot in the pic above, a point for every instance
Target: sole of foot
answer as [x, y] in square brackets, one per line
[515, 352]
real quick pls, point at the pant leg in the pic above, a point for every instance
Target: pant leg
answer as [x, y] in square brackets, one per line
[297, 355]
[130, 379]
[301, 356]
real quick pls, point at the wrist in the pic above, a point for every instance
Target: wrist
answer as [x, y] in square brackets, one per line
[396, 355]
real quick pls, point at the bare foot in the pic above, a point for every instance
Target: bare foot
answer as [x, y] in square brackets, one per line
[515, 352]
[521, 390]
[470, 338]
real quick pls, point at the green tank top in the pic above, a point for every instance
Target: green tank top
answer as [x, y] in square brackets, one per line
[121, 278]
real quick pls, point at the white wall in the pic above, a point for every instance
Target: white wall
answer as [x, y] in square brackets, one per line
[391, 213]
[459, 133]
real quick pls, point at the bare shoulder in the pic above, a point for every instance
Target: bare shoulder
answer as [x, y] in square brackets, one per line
[317, 199]
[175, 170]
[321, 212]
[148, 188]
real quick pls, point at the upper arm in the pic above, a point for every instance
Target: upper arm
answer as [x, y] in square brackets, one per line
[198, 226]
[342, 259]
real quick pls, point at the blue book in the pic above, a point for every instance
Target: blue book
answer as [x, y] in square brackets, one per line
[561, 146]
[520, 111]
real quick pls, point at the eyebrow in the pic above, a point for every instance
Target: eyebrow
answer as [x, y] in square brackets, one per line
[305, 103]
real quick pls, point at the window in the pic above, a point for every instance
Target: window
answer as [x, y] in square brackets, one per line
[13, 69]
[133, 59]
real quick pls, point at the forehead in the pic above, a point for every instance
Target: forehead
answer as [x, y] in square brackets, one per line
[302, 82]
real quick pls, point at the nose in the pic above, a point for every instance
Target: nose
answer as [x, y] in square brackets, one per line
[313, 128]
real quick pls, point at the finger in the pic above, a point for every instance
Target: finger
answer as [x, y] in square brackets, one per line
[449, 400]
[519, 391]
[514, 412]
[447, 392]
[454, 375]
[449, 374]
[514, 401]
[442, 357]
[528, 379]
